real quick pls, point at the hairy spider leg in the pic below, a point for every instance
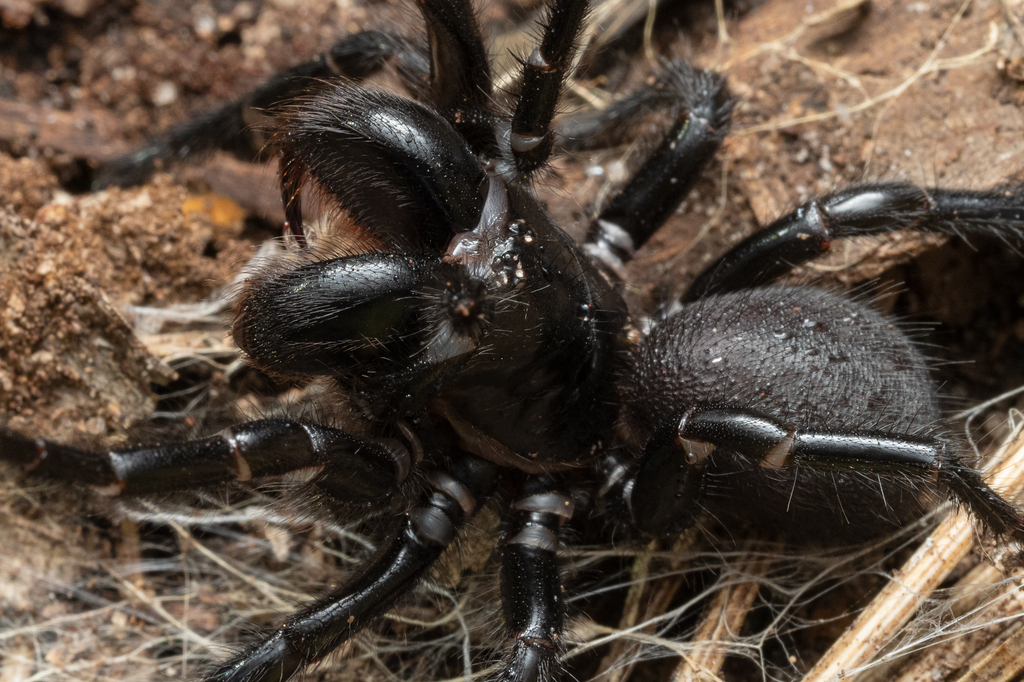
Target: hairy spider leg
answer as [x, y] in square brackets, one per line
[871, 209]
[540, 85]
[655, 191]
[460, 73]
[397, 167]
[347, 468]
[420, 537]
[671, 93]
[239, 127]
[531, 588]
[770, 443]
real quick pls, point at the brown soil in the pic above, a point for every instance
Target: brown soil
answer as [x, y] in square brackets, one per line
[829, 95]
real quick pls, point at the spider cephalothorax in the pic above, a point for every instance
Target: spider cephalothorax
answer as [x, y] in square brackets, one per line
[479, 346]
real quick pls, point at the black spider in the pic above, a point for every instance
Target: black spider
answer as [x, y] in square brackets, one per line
[480, 348]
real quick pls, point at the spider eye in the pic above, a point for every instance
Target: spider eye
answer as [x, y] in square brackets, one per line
[335, 317]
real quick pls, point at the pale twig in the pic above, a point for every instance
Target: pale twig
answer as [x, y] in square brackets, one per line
[981, 603]
[592, 635]
[723, 34]
[914, 582]
[630, 613]
[1003, 664]
[609, 19]
[647, 597]
[722, 622]
[594, 98]
[652, 12]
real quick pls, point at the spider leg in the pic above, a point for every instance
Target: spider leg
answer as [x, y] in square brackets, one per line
[654, 193]
[349, 469]
[667, 469]
[808, 231]
[240, 126]
[540, 85]
[531, 588]
[421, 536]
[460, 73]
[398, 168]
[671, 94]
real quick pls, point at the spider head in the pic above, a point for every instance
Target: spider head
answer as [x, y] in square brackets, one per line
[471, 303]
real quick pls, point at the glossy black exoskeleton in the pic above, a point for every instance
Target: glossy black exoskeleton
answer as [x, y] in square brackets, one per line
[478, 346]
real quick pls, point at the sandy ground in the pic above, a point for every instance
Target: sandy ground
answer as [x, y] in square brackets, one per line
[103, 322]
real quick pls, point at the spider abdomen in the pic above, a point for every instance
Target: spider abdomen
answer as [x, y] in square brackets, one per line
[799, 354]
[811, 360]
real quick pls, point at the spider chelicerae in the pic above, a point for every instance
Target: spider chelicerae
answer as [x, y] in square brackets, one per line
[484, 354]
